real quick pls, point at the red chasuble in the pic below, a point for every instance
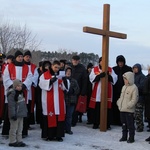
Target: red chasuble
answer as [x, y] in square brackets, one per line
[92, 103]
[12, 72]
[52, 121]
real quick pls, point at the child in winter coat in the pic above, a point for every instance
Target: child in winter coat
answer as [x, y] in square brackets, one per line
[70, 98]
[126, 104]
[17, 110]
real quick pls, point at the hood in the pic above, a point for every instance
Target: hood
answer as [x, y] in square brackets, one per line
[130, 77]
[120, 58]
[139, 67]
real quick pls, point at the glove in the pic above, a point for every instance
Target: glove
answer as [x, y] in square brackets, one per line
[71, 91]
[24, 87]
[14, 118]
[52, 80]
[110, 79]
[65, 82]
[11, 87]
[101, 75]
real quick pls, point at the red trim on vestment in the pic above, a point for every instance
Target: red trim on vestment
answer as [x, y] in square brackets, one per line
[12, 73]
[50, 103]
[92, 103]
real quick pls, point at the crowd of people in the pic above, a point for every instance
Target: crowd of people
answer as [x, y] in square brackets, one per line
[48, 95]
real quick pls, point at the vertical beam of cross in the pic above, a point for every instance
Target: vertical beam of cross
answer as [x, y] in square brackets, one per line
[105, 56]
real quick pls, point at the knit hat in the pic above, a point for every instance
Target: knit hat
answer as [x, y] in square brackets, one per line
[27, 53]
[90, 65]
[18, 53]
[16, 82]
[76, 57]
[63, 61]
[10, 57]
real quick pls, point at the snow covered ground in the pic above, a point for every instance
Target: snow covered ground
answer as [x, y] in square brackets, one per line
[83, 138]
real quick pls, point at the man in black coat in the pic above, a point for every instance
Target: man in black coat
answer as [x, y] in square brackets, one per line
[120, 69]
[79, 73]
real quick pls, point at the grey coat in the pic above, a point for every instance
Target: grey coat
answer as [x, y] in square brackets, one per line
[16, 108]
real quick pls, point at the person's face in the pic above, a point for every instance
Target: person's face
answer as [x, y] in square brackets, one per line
[19, 58]
[126, 82]
[135, 70]
[62, 65]
[120, 64]
[68, 73]
[55, 68]
[9, 61]
[27, 58]
[19, 87]
[89, 70]
[75, 62]
[40, 68]
[100, 63]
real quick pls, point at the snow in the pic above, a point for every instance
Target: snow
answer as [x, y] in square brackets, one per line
[83, 138]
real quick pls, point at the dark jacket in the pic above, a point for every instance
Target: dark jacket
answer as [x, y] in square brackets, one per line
[140, 79]
[71, 95]
[16, 105]
[79, 73]
[119, 72]
[146, 92]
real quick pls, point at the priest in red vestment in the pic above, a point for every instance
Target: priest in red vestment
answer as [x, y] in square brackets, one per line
[95, 101]
[53, 104]
[31, 92]
[17, 70]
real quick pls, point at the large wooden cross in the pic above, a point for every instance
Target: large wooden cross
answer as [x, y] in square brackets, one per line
[105, 55]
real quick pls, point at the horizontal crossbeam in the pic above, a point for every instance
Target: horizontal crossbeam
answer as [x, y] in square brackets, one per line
[104, 33]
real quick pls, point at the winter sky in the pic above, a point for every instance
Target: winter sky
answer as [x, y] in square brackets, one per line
[59, 24]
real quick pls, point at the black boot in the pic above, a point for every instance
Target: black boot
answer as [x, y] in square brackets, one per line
[123, 139]
[130, 140]
[148, 139]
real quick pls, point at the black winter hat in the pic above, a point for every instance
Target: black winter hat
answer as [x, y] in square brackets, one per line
[27, 53]
[10, 57]
[63, 61]
[121, 59]
[18, 53]
[76, 57]
[90, 65]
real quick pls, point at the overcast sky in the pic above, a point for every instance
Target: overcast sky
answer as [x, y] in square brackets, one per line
[59, 24]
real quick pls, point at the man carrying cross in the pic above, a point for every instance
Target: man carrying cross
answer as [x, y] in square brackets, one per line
[95, 101]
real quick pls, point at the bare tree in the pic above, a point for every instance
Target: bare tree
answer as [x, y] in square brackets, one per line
[16, 36]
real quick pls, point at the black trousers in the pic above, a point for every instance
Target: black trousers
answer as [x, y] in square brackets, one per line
[127, 120]
[96, 115]
[52, 132]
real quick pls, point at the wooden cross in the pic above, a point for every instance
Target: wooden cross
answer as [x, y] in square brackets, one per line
[105, 55]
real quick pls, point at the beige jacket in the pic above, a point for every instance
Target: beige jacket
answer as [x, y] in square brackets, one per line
[129, 95]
